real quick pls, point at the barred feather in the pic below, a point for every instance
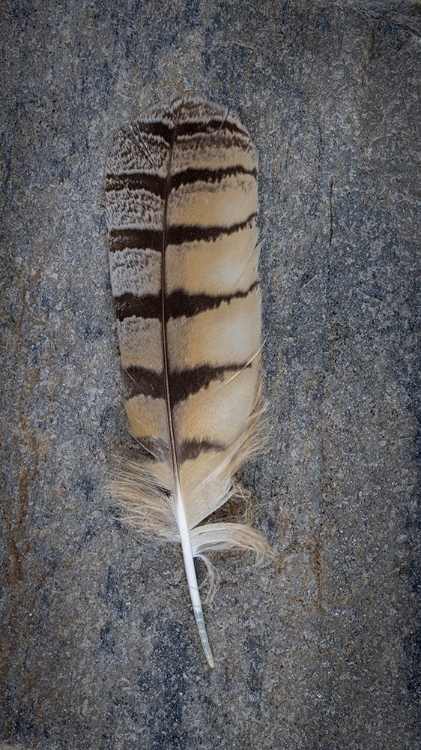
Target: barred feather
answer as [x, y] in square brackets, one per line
[181, 201]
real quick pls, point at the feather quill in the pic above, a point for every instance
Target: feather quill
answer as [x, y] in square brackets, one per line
[181, 209]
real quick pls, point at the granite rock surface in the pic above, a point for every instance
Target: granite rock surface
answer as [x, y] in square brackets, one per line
[99, 647]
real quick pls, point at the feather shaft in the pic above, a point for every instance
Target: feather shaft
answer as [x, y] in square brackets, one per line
[192, 579]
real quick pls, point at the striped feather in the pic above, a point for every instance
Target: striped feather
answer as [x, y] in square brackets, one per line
[181, 201]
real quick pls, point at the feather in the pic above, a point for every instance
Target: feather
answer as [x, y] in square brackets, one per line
[181, 209]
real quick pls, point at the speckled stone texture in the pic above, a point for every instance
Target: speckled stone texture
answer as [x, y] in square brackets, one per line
[99, 646]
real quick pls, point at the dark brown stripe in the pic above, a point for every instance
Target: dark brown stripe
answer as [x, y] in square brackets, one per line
[189, 176]
[157, 185]
[139, 380]
[140, 239]
[188, 450]
[129, 306]
[209, 126]
[167, 132]
[136, 181]
[155, 127]
[228, 141]
[191, 449]
[178, 304]
[187, 382]
[177, 235]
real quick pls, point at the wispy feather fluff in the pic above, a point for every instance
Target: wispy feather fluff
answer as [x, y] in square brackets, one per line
[181, 198]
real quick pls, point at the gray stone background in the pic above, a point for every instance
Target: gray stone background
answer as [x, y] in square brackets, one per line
[99, 646]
